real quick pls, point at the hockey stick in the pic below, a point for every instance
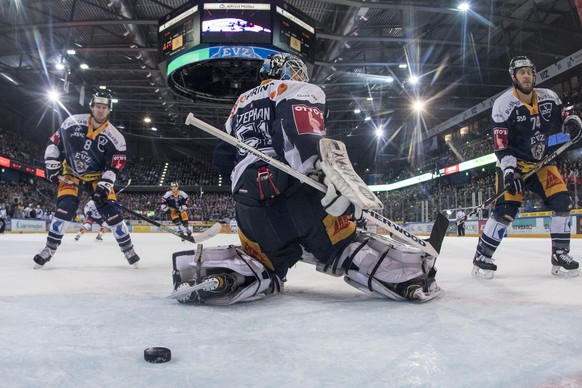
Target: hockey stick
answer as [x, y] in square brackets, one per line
[544, 162]
[432, 245]
[124, 187]
[208, 233]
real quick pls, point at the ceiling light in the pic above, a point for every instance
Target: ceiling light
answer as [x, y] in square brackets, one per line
[357, 111]
[463, 7]
[102, 87]
[53, 95]
[114, 100]
[154, 129]
[368, 118]
[379, 132]
[71, 52]
[84, 66]
[147, 120]
[402, 66]
[60, 66]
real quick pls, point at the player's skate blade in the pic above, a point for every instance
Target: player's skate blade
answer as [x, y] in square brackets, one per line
[560, 272]
[481, 273]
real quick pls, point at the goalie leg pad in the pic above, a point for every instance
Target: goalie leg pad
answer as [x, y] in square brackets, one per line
[385, 268]
[248, 278]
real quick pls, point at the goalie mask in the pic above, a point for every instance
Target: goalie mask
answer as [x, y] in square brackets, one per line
[284, 67]
[101, 98]
[518, 63]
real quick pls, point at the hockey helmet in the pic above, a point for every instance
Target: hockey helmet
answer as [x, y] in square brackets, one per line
[102, 98]
[284, 66]
[519, 62]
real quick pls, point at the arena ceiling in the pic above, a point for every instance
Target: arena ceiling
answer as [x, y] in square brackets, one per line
[362, 45]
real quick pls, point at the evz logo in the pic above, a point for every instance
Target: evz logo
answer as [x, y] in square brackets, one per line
[546, 111]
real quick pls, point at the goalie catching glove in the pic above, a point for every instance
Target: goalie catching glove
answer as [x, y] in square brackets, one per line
[573, 127]
[346, 192]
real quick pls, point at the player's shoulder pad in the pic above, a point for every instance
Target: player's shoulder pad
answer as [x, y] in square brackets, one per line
[504, 105]
[547, 94]
[115, 137]
[76, 120]
[295, 90]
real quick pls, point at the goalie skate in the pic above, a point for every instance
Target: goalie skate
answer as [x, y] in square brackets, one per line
[183, 293]
[563, 265]
[483, 267]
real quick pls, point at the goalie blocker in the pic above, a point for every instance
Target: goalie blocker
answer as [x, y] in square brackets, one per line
[374, 264]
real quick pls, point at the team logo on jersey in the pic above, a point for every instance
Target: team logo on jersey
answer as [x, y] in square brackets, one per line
[81, 161]
[102, 140]
[546, 110]
[308, 119]
[118, 161]
[538, 145]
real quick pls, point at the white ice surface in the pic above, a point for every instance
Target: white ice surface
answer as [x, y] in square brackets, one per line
[85, 319]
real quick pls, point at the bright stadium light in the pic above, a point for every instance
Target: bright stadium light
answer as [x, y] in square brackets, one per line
[463, 7]
[418, 105]
[53, 96]
[379, 132]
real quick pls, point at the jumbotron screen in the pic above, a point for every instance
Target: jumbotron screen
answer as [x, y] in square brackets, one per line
[236, 23]
[178, 31]
[293, 34]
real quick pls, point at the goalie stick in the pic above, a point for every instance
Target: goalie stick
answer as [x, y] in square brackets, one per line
[544, 162]
[432, 245]
[208, 233]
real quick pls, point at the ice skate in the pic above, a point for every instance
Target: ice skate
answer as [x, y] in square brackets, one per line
[99, 237]
[43, 257]
[563, 265]
[78, 236]
[483, 267]
[132, 257]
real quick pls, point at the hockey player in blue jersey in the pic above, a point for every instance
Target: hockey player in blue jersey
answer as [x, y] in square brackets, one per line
[90, 152]
[280, 220]
[522, 119]
[176, 201]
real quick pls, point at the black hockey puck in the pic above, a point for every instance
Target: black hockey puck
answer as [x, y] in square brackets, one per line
[157, 355]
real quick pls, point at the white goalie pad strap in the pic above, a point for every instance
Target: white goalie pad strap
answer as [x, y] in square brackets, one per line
[338, 169]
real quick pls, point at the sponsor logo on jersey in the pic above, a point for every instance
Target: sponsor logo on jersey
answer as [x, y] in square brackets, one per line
[118, 161]
[546, 110]
[308, 119]
[500, 138]
[56, 137]
[552, 180]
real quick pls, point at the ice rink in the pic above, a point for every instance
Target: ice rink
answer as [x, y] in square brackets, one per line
[85, 319]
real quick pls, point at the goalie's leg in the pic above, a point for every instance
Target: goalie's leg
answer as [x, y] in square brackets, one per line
[383, 267]
[220, 276]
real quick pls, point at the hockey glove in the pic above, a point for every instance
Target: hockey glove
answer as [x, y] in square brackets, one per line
[183, 208]
[513, 184]
[53, 168]
[102, 192]
[164, 208]
[573, 127]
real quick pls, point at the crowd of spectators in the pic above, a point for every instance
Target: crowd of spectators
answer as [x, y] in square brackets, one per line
[410, 204]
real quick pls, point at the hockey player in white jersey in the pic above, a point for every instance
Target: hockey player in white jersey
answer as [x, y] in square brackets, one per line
[92, 216]
[522, 119]
[281, 221]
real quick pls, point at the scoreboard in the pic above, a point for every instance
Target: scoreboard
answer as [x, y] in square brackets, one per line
[177, 31]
